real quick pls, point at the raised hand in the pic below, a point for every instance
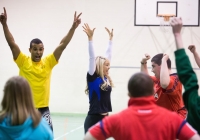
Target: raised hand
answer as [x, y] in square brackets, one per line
[77, 20]
[147, 57]
[176, 24]
[88, 31]
[3, 17]
[110, 33]
[192, 48]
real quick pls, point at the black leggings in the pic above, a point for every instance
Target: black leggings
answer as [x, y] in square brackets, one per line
[92, 119]
[46, 115]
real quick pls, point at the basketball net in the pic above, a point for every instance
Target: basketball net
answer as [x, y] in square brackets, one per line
[165, 22]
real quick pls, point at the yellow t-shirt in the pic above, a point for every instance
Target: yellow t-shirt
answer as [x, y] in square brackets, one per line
[38, 75]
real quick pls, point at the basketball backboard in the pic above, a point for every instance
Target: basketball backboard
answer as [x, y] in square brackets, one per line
[146, 11]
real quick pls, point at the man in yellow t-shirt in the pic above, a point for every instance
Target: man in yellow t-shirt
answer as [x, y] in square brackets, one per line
[35, 69]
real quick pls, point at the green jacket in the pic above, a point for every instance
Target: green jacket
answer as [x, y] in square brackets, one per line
[189, 80]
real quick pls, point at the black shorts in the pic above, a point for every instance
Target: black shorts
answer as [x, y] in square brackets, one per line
[46, 115]
[92, 119]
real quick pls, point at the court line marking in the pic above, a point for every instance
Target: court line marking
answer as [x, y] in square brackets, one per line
[69, 132]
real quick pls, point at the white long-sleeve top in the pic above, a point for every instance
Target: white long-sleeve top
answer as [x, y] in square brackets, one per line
[92, 57]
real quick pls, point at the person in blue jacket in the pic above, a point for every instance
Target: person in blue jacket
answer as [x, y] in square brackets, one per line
[19, 120]
[99, 83]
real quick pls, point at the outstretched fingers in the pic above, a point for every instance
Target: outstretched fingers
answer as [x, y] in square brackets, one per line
[5, 11]
[76, 18]
[110, 32]
[87, 26]
[107, 29]
[87, 30]
[79, 15]
[84, 27]
[3, 16]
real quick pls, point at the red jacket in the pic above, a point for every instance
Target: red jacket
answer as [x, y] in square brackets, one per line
[143, 120]
[171, 97]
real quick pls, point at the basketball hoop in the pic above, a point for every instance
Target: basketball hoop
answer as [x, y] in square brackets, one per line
[165, 21]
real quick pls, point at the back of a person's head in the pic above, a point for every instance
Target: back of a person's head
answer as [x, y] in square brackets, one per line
[35, 41]
[17, 102]
[158, 60]
[140, 85]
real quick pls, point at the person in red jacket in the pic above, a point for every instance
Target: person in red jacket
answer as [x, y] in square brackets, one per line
[167, 86]
[143, 119]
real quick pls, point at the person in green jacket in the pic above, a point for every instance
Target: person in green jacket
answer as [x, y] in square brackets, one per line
[187, 76]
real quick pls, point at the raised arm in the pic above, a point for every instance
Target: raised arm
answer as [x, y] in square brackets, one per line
[92, 64]
[192, 48]
[164, 72]
[143, 67]
[65, 41]
[176, 24]
[9, 38]
[109, 49]
[187, 77]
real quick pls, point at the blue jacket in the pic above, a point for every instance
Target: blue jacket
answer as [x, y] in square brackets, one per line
[25, 131]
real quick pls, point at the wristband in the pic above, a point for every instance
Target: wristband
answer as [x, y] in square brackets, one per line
[143, 63]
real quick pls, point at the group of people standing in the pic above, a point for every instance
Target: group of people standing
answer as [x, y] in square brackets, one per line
[156, 109]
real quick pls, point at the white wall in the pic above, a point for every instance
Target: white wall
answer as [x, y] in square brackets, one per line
[50, 20]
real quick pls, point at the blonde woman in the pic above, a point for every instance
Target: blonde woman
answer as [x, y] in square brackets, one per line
[99, 84]
[18, 118]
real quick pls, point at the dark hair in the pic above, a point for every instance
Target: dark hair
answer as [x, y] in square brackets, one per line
[158, 59]
[36, 41]
[140, 84]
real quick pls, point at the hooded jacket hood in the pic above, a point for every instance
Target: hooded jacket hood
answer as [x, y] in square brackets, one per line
[26, 131]
[20, 132]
